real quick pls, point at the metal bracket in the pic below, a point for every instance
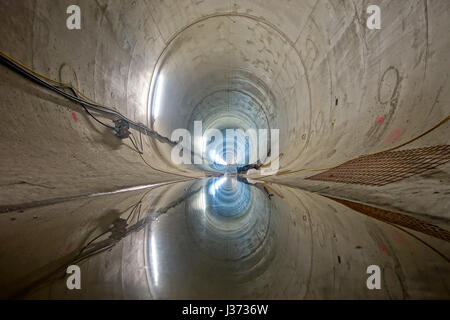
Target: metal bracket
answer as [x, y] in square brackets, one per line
[122, 128]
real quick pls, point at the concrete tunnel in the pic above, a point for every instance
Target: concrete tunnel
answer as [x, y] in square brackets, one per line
[363, 173]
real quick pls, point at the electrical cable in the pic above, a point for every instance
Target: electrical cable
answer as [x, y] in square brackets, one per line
[270, 162]
[87, 103]
[132, 211]
[139, 214]
[133, 208]
[134, 145]
[35, 76]
[365, 155]
[80, 258]
[89, 113]
[152, 167]
[91, 241]
[100, 250]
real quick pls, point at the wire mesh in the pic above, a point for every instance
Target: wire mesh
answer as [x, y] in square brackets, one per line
[387, 167]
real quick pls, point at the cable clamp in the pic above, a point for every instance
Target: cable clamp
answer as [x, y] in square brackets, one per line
[122, 128]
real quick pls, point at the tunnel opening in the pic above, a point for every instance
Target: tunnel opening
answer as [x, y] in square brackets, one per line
[233, 81]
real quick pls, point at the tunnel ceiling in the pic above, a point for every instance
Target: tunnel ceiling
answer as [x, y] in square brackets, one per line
[309, 68]
[235, 77]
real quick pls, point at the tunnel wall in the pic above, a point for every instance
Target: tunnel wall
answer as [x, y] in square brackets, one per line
[53, 148]
[312, 248]
[349, 78]
[35, 259]
[329, 106]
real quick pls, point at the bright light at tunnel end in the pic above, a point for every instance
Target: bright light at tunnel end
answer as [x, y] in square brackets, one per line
[217, 158]
[227, 152]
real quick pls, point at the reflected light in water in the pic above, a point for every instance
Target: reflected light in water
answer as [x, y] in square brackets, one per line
[154, 260]
[216, 185]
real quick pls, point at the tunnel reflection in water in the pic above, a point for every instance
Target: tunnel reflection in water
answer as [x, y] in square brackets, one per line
[228, 219]
[220, 238]
[229, 239]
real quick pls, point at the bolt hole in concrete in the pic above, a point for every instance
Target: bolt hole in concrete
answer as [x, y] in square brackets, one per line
[156, 229]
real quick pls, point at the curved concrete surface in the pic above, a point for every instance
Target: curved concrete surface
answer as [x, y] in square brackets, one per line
[310, 68]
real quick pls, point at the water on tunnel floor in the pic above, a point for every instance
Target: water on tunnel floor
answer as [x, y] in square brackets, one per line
[234, 240]
[224, 238]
